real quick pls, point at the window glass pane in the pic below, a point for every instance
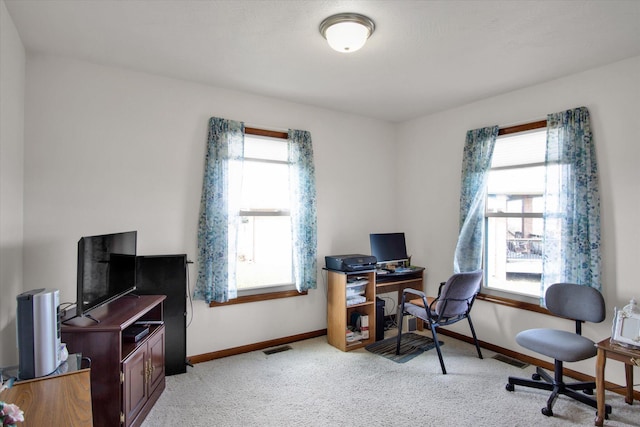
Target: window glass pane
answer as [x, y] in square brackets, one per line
[520, 149]
[265, 186]
[517, 181]
[513, 247]
[504, 203]
[264, 258]
[265, 148]
[264, 252]
[514, 254]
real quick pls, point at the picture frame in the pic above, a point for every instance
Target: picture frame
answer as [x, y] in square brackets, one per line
[626, 328]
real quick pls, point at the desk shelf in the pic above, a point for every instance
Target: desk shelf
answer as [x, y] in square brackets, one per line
[339, 313]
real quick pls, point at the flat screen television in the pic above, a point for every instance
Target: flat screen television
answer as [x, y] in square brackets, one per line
[106, 269]
[388, 247]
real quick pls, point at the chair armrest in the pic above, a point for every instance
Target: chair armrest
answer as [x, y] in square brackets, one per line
[415, 292]
[419, 294]
[429, 315]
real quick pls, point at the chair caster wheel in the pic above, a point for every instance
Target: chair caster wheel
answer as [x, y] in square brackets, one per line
[509, 387]
[536, 377]
[547, 412]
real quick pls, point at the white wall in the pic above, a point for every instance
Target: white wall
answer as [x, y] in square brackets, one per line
[12, 86]
[110, 150]
[431, 151]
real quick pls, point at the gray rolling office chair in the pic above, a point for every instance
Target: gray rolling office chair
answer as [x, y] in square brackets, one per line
[576, 302]
[453, 303]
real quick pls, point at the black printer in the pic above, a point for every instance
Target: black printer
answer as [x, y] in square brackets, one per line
[350, 262]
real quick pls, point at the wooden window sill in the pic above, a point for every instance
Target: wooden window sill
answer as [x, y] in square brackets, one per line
[513, 303]
[259, 297]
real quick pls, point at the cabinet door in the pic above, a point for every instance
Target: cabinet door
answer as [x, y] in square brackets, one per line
[156, 356]
[134, 393]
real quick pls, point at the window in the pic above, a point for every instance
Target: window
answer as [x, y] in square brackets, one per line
[527, 221]
[267, 210]
[513, 216]
[264, 250]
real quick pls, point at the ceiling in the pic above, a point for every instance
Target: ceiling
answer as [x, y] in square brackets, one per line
[424, 56]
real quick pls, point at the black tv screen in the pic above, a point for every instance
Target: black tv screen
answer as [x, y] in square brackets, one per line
[106, 269]
[388, 247]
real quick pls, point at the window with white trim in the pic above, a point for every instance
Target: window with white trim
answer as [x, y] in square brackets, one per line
[264, 247]
[513, 217]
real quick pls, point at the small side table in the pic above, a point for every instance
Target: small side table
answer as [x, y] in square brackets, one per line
[62, 398]
[629, 357]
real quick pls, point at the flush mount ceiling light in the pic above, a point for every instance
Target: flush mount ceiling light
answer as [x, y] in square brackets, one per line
[347, 32]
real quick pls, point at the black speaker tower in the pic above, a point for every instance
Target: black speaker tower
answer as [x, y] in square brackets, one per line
[167, 275]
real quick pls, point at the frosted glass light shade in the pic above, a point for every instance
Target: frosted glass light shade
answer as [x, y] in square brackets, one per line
[347, 36]
[347, 32]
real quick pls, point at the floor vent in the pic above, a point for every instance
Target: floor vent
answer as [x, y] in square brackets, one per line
[510, 360]
[277, 349]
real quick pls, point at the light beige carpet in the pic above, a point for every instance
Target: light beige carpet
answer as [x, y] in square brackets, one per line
[314, 384]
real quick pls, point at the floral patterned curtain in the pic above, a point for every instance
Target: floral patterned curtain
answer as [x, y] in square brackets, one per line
[302, 184]
[219, 207]
[476, 163]
[572, 202]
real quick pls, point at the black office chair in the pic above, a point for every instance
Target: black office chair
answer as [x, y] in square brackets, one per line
[576, 302]
[453, 303]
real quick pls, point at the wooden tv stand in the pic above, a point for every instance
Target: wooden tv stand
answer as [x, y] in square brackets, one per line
[126, 377]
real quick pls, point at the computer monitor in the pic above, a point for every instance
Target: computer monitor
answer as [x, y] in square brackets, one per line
[388, 247]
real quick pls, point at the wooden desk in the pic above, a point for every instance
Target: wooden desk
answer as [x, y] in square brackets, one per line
[397, 282]
[629, 357]
[339, 312]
